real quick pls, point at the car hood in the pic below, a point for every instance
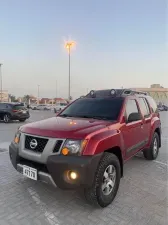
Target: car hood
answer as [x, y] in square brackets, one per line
[58, 127]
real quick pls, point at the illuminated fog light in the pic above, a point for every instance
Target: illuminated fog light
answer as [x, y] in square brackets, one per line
[73, 175]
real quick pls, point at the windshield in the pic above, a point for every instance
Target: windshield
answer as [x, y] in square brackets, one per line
[105, 109]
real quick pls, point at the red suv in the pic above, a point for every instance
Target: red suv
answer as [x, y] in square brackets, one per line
[87, 144]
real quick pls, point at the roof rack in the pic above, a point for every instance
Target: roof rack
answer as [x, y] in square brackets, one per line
[113, 93]
[132, 92]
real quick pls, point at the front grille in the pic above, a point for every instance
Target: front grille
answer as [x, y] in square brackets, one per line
[41, 143]
[57, 146]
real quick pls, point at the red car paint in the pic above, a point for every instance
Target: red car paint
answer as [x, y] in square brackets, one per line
[101, 135]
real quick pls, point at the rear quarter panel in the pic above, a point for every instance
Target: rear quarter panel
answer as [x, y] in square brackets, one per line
[155, 123]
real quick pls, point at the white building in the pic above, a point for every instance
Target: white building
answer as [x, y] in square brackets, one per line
[4, 96]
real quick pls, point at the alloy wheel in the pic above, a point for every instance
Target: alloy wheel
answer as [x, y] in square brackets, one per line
[109, 179]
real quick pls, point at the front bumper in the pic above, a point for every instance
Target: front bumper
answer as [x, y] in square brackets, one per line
[57, 167]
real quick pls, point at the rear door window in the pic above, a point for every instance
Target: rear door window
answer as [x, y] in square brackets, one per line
[2, 106]
[152, 104]
[144, 107]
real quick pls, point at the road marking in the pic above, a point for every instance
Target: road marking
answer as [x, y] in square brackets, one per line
[4, 145]
[159, 162]
[165, 164]
[3, 152]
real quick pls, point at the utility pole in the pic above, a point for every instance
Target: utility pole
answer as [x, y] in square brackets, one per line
[56, 89]
[38, 92]
[1, 79]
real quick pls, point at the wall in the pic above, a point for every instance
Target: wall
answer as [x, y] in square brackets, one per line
[5, 96]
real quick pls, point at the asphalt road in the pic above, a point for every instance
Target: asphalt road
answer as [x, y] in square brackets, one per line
[7, 131]
[141, 200]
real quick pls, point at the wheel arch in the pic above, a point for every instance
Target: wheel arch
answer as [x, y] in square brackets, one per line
[158, 131]
[117, 151]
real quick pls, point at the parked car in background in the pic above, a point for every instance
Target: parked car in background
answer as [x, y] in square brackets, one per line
[59, 106]
[33, 107]
[43, 107]
[13, 111]
[163, 108]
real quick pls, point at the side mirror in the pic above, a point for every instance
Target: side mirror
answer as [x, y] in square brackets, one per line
[134, 117]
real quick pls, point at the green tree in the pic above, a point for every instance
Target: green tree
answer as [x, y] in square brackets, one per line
[26, 98]
[13, 98]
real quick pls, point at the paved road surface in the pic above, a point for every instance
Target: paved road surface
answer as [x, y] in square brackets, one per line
[142, 197]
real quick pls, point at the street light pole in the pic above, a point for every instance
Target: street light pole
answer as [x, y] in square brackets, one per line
[38, 92]
[69, 93]
[1, 79]
[56, 89]
[69, 45]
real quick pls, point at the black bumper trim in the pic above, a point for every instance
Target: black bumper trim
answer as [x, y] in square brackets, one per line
[57, 167]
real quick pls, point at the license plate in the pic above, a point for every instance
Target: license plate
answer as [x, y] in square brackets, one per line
[30, 172]
[24, 112]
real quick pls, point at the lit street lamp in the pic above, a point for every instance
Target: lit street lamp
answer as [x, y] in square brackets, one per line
[69, 45]
[1, 79]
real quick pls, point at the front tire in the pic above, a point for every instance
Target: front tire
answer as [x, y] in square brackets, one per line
[153, 151]
[106, 182]
[6, 118]
[23, 120]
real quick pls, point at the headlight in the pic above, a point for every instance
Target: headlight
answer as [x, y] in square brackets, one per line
[73, 147]
[17, 137]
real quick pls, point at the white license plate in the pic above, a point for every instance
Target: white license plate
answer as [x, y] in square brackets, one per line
[24, 112]
[30, 172]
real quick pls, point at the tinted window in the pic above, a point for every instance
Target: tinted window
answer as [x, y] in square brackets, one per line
[3, 106]
[152, 104]
[131, 107]
[144, 107]
[18, 107]
[99, 108]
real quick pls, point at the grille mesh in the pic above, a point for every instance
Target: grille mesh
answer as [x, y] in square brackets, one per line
[41, 143]
[57, 146]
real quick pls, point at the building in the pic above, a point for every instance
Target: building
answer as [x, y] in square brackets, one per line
[52, 101]
[159, 93]
[5, 96]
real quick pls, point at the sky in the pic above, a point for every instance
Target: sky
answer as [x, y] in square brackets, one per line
[119, 43]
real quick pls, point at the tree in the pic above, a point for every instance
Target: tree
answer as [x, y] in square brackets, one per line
[26, 98]
[13, 98]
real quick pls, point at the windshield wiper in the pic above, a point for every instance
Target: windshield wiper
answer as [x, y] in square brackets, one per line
[99, 118]
[93, 117]
[65, 115]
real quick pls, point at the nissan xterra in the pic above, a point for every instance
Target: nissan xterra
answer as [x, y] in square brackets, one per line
[88, 142]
